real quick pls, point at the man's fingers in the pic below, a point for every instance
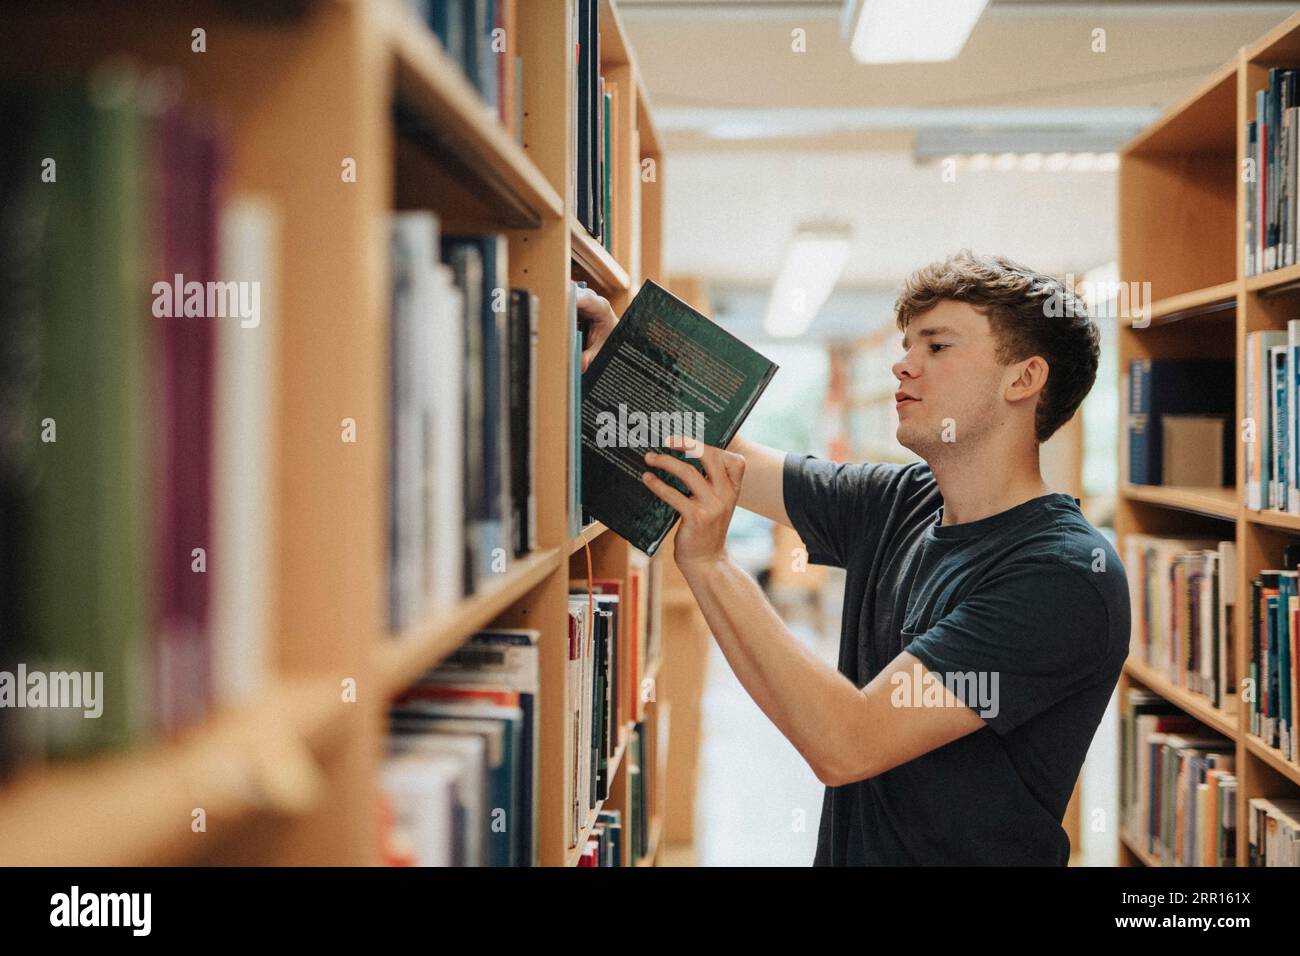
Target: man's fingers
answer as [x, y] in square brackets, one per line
[693, 480]
[595, 308]
[666, 492]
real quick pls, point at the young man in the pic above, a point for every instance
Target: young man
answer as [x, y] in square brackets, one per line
[985, 621]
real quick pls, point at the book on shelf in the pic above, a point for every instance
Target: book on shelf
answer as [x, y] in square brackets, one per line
[1273, 147]
[1272, 438]
[1192, 450]
[429, 446]
[524, 316]
[420, 806]
[478, 35]
[1177, 784]
[609, 159]
[640, 784]
[485, 691]
[664, 369]
[1274, 831]
[1274, 626]
[489, 426]
[1161, 387]
[593, 130]
[605, 845]
[244, 444]
[594, 666]
[133, 506]
[463, 431]
[1183, 610]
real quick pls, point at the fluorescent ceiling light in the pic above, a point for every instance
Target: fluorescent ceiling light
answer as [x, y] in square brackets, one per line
[908, 31]
[812, 266]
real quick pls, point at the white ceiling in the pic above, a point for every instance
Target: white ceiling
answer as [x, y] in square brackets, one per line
[816, 135]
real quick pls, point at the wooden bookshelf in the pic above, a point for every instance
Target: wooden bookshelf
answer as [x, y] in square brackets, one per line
[1216, 300]
[1182, 229]
[598, 264]
[586, 536]
[1215, 502]
[298, 93]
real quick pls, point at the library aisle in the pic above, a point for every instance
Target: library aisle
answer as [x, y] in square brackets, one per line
[335, 335]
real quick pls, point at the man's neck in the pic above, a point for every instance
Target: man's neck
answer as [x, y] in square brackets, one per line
[988, 483]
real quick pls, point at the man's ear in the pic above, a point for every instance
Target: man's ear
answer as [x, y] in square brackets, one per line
[1030, 379]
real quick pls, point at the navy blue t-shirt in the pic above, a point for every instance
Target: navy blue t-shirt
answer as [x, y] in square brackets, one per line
[1026, 611]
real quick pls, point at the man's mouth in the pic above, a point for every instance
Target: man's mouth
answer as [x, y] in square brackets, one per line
[902, 398]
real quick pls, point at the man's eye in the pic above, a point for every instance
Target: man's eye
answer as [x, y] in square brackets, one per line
[936, 346]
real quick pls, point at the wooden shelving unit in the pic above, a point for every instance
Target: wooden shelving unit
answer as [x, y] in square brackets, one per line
[1182, 228]
[298, 93]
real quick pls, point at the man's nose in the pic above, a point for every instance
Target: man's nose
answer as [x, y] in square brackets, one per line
[904, 368]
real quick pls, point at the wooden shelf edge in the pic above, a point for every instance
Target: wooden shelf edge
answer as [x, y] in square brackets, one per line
[404, 657]
[586, 536]
[1193, 704]
[428, 80]
[133, 808]
[604, 271]
[1273, 757]
[1274, 281]
[1274, 519]
[1214, 502]
[1218, 299]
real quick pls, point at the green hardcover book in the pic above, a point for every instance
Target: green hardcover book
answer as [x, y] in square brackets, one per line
[91, 545]
[665, 369]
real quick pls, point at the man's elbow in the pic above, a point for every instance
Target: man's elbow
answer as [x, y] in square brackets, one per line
[843, 773]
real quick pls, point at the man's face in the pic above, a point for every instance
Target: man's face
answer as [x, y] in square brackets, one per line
[950, 384]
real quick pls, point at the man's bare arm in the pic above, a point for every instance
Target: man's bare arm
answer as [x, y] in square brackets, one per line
[763, 491]
[845, 733]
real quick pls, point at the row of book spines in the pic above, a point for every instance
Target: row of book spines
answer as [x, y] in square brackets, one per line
[1274, 832]
[605, 844]
[607, 654]
[479, 707]
[1183, 610]
[1271, 192]
[596, 618]
[1183, 807]
[1272, 431]
[479, 36]
[464, 416]
[1274, 631]
[164, 569]
[596, 103]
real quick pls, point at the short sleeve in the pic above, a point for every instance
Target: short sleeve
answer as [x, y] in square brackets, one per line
[830, 503]
[1032, 637]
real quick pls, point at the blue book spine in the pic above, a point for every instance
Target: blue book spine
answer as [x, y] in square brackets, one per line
[1139, 432]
